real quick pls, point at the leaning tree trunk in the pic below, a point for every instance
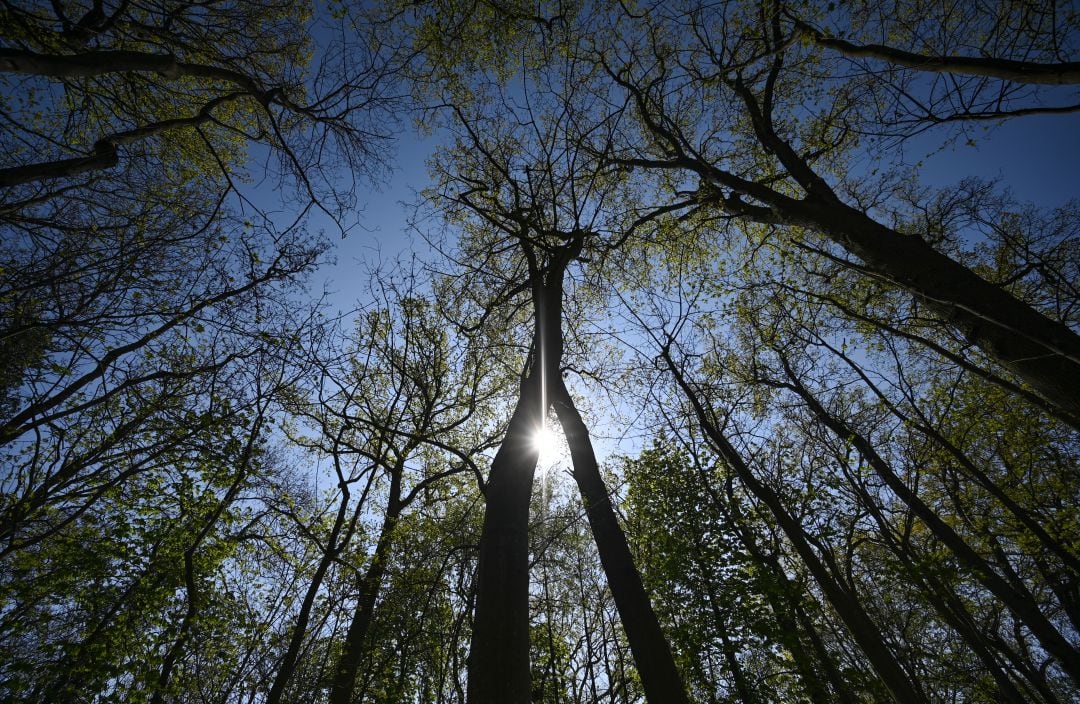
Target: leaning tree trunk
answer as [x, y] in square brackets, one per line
[660, 677]
[1016, 600]
[341, 688]
[1043, 352]
[845, 603]
[649, 647]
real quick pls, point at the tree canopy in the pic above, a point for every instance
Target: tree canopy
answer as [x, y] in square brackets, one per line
[816, 407]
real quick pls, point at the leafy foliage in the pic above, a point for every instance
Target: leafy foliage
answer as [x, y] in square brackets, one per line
[843, 403]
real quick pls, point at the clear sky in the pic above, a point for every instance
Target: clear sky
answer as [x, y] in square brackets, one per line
[1037, 156]
[383, 233]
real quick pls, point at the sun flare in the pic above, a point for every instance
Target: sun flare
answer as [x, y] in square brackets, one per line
[545, 442]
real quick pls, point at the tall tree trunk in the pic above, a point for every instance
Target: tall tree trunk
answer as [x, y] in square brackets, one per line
[499, 654]
[499, 660]
[660, 677]
[341, 688]
[1043, 352]
[845, 603]
[1017, 601]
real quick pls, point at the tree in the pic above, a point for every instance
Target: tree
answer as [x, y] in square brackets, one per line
[860, 624]
[402, 403]
[686, 230]
[736, 348]
[782, 177]
[956, 63]
[539, 207]
[738, 618]
[121, 288]
[153, 316]
[156, 77]
[116, 593]
[146, 345]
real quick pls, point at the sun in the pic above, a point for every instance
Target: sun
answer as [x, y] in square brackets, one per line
[545, 442]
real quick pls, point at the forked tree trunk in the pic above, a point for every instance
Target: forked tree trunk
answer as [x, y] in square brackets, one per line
[499, 658]
[499, 653]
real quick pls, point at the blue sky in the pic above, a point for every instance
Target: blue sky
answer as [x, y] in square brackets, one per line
[383, 234]
[1037, 157]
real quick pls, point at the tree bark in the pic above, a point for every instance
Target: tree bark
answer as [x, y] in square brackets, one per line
[846, 604]
[96, 63]
[499, 655]
[104, 157]
[660, 677]
[105, 154]
[341, 688]
[1043, 352]
[499, 659]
